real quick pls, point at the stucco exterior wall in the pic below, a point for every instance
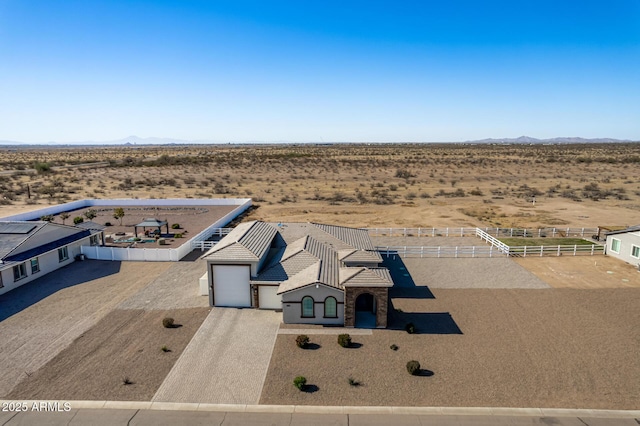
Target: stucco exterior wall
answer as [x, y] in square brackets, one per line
[292, 305]
[627, 241]
[48, 263]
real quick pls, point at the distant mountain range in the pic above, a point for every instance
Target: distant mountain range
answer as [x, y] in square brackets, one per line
[530, 140]
[136, 140]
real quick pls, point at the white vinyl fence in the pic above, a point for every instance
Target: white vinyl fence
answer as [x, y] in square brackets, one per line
[496, 249]
[471, 232]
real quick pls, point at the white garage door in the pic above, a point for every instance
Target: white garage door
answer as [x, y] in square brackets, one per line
[268, 297]
[231, 286]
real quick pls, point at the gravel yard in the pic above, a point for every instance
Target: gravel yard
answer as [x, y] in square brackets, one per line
[176, 288]
[40, 318]
[518, 348]
[125, 343]
[496, 272]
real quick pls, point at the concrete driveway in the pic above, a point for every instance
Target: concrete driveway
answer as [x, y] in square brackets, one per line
[226, 361]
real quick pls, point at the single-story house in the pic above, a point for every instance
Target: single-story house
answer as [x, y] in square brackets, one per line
[624, 244]
[29, 250]
[314, 273]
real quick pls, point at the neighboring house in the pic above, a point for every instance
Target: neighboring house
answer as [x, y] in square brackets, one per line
[317, 274]
[29, 250]
[625, 244]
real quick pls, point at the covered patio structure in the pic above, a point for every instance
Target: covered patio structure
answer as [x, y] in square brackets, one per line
[152, 223]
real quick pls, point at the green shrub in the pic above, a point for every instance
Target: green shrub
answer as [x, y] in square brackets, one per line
[175, 226]
[300, 382]
[394, 347]
[413, 367]
[302, 341]
[77, 220]
[168, 322]
[410, 328]
[165, 349]
[177, 236]
[344, 340]
[42, 167]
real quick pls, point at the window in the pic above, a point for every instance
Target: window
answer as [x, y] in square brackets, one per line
[63, 254]
[635, 252]
[35, 265]
[307, 307]
[330, 307]
[93, 240]
[615, 245]
[19, 271]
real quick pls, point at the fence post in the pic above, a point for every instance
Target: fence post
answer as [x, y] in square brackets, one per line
[575, 249]
[553, 233]
[525, 251]
[447, 232]
[582, 234]
[419, 232]
[558, 250]
[539, 231]
[511, 232]
[541, 249]
[390, 232]
[491, 251]
[405, 232]
[592, 247]
[473, 251]
[456, 252]
[438, 251]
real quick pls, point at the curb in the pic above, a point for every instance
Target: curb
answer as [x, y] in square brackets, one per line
[316, 409]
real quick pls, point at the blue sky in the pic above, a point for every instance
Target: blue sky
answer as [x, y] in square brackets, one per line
[306, 71]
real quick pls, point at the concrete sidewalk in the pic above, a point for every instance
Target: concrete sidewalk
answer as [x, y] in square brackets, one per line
[153, 414]
[226, 361]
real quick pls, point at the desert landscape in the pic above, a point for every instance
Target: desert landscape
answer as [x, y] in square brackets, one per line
[525, 332]
[402, 185]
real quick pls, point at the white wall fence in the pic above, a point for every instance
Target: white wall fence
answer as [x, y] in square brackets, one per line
[484, 236]
[471, 232]
[164, 254]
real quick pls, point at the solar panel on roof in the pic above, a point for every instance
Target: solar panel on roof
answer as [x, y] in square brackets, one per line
[16, 228]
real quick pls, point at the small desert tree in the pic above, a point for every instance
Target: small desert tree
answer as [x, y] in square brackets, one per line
[118, 213]
[90, 214]
[47, 218]
[64, 216]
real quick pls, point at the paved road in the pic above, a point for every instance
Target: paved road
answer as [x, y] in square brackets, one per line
[226, 361]
[98, 417]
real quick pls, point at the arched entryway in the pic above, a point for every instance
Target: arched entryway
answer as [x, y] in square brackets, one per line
[365, 307]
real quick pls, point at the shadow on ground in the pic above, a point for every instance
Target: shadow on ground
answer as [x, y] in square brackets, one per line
[193, 256]
[73, 274]
[404, 287]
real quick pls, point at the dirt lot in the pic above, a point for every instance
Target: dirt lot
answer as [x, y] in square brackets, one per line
[582, 271]
[529, 348]
[40, 318]
[125, 343]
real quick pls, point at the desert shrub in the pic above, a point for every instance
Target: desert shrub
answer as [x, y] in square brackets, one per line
[126, 380]
[353, 382]
[165, 349]
[107, 224]
[77, 220]
[344, 340]
[413, 367]
[177, 235]
[300, 382]
[168, 322]
[42, 167]
[394, 347]
[302, 341]
[175, 226]
[410, 328]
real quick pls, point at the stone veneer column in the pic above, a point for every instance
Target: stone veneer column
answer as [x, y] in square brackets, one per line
[381, 295]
